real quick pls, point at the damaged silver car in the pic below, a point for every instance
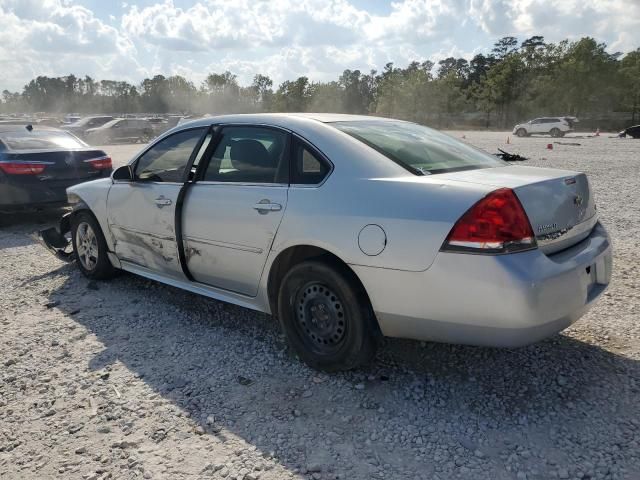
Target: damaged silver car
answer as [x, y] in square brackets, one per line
[348, 228]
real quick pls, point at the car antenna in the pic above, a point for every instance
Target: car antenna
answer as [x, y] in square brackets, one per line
[29, 127]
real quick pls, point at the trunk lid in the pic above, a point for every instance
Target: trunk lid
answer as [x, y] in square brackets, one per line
[61, 165]
[559, 203]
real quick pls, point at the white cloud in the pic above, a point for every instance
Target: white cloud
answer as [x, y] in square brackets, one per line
[281, 38]
[51, 38]
[615, 21]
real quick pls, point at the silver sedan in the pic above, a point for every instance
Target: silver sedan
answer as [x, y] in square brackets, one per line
[348, 228]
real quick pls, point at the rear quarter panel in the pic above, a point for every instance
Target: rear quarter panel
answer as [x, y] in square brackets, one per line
[416, 214]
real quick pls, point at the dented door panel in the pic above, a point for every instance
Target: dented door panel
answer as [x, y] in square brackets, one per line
[141, 220]
[226, 238]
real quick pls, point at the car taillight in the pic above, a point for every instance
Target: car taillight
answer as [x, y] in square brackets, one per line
[495, 224]
[23, 168]
[100, 163]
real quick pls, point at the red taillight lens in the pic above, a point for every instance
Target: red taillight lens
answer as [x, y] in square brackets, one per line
[100, 163]
[496, 224]
[23, 168]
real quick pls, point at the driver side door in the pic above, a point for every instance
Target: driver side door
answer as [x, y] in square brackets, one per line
[141, 212]
[536, 126]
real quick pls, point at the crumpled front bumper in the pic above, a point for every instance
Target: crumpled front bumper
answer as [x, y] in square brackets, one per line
[56, 241]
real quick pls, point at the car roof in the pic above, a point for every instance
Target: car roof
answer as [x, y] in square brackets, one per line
[282, 119]
[5, 128]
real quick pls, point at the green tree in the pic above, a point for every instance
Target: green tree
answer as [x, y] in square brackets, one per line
[630, 83]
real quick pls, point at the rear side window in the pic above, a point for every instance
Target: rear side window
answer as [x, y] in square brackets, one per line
[166, 160]
[249, 155]
[308, 167]
[41, 140]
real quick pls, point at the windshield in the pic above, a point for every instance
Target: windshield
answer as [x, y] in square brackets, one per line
[86, 120]
[41, 140]
[110, 123]
[80, 123]
[419, 149]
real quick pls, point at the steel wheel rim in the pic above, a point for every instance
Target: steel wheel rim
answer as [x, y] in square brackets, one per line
[87, 246]
[321, 319]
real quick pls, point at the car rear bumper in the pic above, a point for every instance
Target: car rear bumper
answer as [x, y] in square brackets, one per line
[18, 192]
[502, 300]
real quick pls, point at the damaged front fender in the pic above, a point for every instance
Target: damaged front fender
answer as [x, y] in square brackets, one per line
[58, 240]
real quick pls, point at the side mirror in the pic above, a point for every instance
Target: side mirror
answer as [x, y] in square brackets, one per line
[123, 174]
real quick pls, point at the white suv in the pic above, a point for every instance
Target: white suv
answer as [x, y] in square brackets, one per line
[554, 126]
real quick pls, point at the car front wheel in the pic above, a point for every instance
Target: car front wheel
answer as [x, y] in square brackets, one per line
[90, 247]
[521, 132]
[555, 132]
[326, 316]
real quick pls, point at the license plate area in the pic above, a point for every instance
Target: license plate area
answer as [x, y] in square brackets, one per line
[591, 275]
[596, 277]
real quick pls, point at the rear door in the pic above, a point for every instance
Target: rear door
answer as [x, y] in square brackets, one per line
[141, 213]
[232, 212]
[127, 131]
[551, 123]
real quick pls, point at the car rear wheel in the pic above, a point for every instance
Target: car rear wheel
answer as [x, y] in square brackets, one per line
[521, 132]
[90, 247]
[326, 317]
[555, 132]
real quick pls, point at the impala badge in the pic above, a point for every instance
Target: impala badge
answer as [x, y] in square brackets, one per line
[547, 227]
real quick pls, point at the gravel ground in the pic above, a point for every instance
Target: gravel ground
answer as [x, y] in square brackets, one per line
[133, 379]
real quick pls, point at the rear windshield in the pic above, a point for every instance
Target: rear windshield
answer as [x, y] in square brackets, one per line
[40, 140]
[419, 149]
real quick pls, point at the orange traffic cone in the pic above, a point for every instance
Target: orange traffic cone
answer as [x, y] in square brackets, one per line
[508, 141]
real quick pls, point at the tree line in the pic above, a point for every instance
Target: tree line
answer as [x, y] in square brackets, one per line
[513, 82]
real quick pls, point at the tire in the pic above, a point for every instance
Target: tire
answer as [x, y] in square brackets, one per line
[90, 247]
[521, 132]
[326, 317]
[555, 132]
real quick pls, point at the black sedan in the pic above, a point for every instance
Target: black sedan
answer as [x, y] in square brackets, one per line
[633, 131]
[37, 164]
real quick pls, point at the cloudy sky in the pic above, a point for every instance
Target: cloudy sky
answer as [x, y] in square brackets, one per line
[284, 39]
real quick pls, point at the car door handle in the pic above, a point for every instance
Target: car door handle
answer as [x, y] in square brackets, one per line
[266, 207]
[163, 202]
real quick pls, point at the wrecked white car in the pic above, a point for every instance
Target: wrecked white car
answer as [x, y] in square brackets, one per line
[347, 228]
